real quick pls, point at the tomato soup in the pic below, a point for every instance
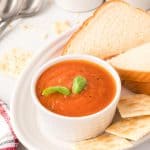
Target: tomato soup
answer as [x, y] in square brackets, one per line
[98, 93]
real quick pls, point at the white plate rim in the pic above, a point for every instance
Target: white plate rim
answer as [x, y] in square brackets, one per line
[27, 69]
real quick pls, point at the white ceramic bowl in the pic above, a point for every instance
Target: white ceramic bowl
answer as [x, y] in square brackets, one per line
[75, 128]
[79, 5]
[143, 4]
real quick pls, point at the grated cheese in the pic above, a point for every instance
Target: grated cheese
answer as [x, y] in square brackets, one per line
[14, 61]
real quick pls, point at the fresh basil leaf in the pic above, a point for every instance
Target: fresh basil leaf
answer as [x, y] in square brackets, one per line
[56, 89]
[79, 83]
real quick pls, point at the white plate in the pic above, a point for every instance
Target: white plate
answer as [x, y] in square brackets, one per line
[23, 112]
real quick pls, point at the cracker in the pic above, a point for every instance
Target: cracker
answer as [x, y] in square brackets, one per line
[131, 128]
[104, 142]
[137, 105]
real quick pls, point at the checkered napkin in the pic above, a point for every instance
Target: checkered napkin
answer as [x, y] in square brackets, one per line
[8, 140]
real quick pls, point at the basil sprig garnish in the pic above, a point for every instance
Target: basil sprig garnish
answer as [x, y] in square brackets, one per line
[56, 89]
[79, 84]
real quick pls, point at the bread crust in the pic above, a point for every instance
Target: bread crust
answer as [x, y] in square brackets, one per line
[138, 76]
[138, 87]
[85, 23]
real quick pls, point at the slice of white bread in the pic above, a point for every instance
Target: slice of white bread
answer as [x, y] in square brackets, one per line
[114, 28]
[138, 87]
[134, 64]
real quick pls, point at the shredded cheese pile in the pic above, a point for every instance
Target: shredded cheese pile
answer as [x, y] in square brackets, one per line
[14, 61]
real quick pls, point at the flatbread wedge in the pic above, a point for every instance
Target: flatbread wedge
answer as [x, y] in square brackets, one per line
[131, 128]
[104, 142]
[134, 106]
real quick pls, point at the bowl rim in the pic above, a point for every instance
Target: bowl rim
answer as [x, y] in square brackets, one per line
[84, 57]
[78, 5]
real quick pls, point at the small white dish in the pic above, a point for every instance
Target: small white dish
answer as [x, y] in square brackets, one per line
[79, 5]
[24, 117]
[143, 4]
[76, 128]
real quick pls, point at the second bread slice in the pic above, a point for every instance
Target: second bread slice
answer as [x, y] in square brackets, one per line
[138, 87]
[134, 64]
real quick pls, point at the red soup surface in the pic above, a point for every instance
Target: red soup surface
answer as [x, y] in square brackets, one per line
[98, 93]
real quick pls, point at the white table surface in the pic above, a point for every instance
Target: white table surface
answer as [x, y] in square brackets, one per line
[32, 34]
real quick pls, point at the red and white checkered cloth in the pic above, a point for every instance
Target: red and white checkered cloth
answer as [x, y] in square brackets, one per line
[8, 140]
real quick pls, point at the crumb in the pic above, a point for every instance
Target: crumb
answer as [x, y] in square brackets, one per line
[10, 25]
[25, 27]
[61, 26]
[78, 22]
[46, 36]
